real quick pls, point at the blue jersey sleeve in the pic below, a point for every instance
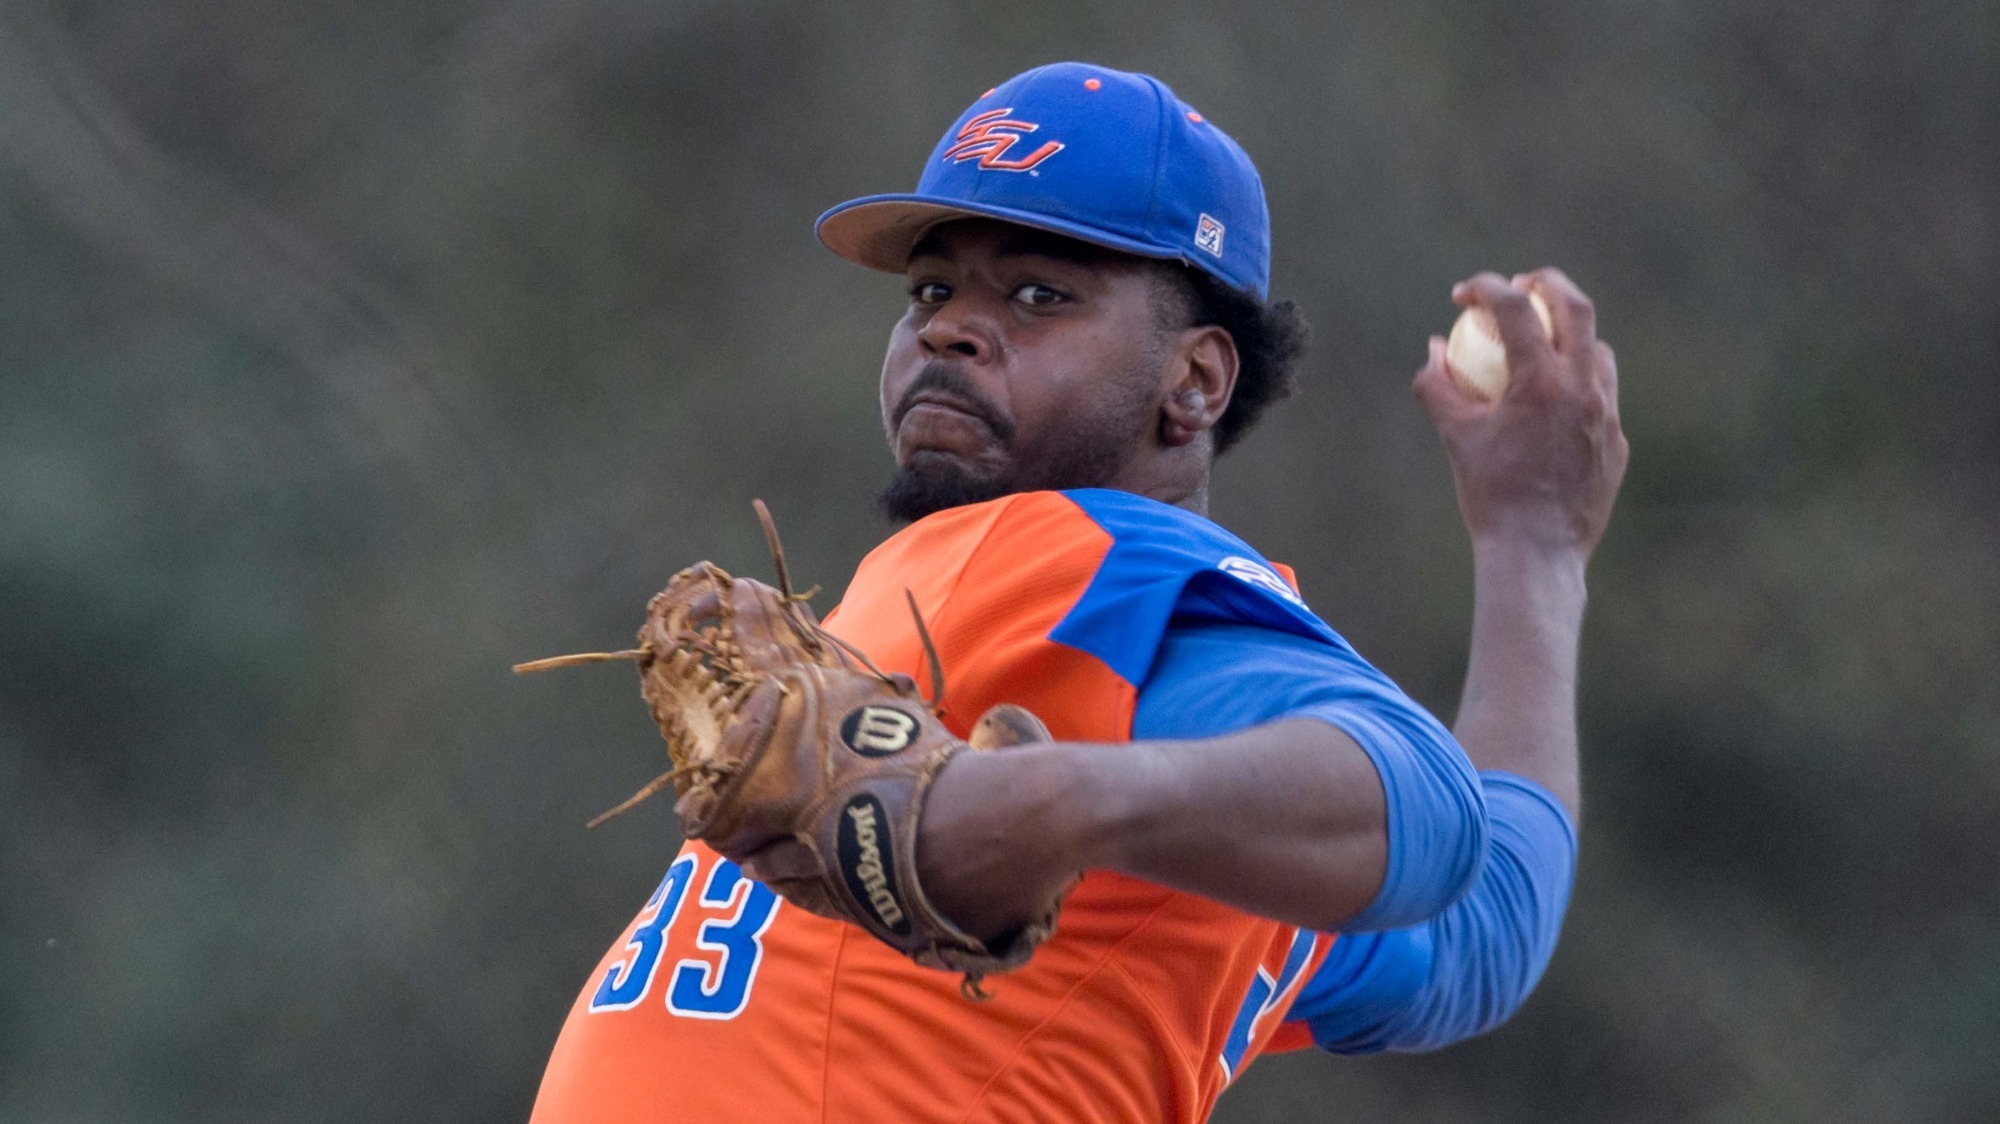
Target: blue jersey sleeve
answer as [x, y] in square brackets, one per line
[1210, 678]
[1467, 970]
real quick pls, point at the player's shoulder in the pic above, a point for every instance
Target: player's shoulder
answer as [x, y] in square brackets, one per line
[1128, 514]
[1168, 564]
[1110, 568]
[1173, 541]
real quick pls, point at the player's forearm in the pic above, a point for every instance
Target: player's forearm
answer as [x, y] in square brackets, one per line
[1286, 820]
[1519, 708]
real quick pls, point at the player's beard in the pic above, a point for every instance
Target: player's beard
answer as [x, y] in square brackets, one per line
[1085, 450]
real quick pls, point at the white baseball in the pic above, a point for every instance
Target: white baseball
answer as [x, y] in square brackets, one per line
[1474, 354]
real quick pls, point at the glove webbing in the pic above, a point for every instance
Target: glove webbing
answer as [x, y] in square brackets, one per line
[728, 691]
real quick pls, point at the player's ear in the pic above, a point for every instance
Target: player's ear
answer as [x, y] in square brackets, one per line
[1202, 377]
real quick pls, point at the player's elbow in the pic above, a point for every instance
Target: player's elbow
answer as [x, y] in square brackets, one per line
[1484, 973]
[1490, 949]
[1436, 825]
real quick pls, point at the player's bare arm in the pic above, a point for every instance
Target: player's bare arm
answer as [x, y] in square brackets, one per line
[1286, 820]
[1537, 470]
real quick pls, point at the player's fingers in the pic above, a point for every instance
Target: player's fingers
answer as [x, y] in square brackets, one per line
[1514, 315]
[1618, 447]
[1607, 377]
[1526, 283]
[1607, 366]
[1466, 292]
[1441, 395]
[1570, 310]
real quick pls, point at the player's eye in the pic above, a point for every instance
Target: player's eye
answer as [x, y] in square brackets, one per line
[1038, 296]
[930, 292]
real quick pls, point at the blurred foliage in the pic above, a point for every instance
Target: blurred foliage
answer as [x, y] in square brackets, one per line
[352, 350]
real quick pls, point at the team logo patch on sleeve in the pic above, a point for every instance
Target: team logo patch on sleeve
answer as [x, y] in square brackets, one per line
[1263, 577]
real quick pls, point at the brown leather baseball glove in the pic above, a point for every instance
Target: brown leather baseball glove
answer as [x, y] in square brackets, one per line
[780, 732]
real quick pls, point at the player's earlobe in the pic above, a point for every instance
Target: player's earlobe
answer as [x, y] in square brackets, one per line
[1207, 378]
[1180, 418]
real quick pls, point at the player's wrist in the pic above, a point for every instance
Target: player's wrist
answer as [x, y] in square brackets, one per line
[1065, 800]
[999, 835]
[1099, 803]
[1514, 576]
[1544, 524]
[1525, 546]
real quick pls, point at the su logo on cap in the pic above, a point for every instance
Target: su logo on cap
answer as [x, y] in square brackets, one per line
[987, 137]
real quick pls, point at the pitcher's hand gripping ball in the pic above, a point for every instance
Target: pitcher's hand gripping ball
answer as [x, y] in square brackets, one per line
[1474, 354]
[781, 733]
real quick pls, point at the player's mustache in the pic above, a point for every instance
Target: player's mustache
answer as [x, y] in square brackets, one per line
[947, 381]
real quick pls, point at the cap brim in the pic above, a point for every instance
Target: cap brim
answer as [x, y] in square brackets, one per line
[879, 231]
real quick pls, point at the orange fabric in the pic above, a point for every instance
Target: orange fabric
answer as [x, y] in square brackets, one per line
[1285, 572]
[1122, 1016]
[1289, 1037]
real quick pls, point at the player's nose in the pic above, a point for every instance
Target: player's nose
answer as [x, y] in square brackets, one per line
[960, 328]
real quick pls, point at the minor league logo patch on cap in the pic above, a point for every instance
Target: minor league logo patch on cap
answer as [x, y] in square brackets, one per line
[1208, 235]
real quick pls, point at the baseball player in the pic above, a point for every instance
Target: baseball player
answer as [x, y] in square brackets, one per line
[1264, 843]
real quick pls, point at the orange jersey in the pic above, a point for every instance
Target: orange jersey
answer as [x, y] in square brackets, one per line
[722, 1003]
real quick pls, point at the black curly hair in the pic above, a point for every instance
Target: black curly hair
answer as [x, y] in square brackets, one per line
[1270, 336]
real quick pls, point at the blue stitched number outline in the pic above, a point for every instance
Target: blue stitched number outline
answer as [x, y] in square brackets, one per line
[698, 990]
[1265, 993]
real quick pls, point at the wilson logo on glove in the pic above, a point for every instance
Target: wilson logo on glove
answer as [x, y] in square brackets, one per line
[868, 861]
[877, 731]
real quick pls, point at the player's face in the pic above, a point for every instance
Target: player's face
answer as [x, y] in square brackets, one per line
[1026, 361]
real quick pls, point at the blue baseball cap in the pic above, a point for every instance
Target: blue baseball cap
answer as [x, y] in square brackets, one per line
[1096, 154]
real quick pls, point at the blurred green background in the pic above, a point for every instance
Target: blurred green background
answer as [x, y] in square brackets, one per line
[350, 351]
